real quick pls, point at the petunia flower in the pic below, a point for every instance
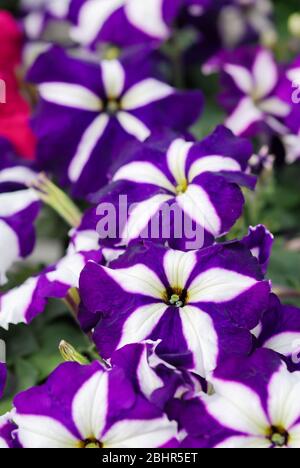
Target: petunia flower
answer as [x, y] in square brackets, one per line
[7, 428]
[197, 182]
[260, 241]
[243, 21]
[23, 303]
[14, 110]
[224, 25]
[257, 95]
[90, 407]
[19, 208]
[255, 405]
[291, 144]
[122, 22]
[280, 331]
[200, 304]
[89, 110]
[15, 173]
[293, 73]
[41, 14]
[156, 379]
[291, 139]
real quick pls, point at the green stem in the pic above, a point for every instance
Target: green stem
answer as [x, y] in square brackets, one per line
[58, 200]
[286, 293]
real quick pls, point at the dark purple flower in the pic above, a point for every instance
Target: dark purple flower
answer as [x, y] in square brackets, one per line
[122, 22]
[7, 428]
[188, 191]
[90, 407]
[202, 305]
[260, 241]
[39, 14]
[257, 93]
[291, 139]
[19, 208]
[89, 110]
[23, 303]
[255, 404]
[156, 379]
[279, 330]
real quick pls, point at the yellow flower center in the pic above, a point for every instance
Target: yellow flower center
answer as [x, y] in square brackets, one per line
[182, 187]
[176, 297]
[90, 443]
[278, 436]
[112, 106]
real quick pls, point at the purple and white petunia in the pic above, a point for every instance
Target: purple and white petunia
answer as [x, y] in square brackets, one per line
[255, 405]
[257, 95]
[260, 241]
[86, 239]
[122, 22]
[23, 303]
[90, 407]
[227, 24]
[291, 144]
[291, 140]
[19, 208]
[89, 110]
[242, 21]
[15, 174]
[40, 13]
[279, 330]
[177, 191]
[293, 74]
[156, 379]
[201, 304]
[7, 428]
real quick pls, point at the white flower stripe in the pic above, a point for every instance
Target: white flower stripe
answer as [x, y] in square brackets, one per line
[70, 95]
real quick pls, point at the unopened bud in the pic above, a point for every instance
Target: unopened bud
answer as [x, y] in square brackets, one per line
[69, 354]
[294, 24]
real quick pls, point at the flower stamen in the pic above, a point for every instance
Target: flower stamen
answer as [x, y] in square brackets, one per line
[176, 297]
[279, 436]
[181, 188]
[91, 444]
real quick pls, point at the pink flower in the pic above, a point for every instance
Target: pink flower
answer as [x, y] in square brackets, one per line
[15, 112]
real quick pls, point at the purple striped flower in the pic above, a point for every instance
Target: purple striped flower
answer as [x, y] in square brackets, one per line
[39, 14]
[245, 21]
[196, 182]
[89, 110]
[255, 405]
[19, 208]
[15, 173]
[257, 94]
[156, 379]
[202, 305]
[291, 140]
[279, 331]
[7, 428]
[122, 22]
[260, 241]
[90, 407]
[23, 303]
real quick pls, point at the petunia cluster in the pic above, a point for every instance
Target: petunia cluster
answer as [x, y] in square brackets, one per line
[189, 342]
